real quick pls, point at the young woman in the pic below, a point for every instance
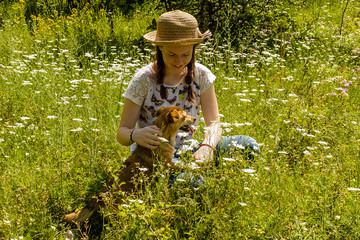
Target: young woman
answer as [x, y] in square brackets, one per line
[175, 78]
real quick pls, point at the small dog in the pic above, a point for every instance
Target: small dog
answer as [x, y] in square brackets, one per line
[169, 120]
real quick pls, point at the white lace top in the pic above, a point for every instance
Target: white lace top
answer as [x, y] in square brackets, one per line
[145, 92]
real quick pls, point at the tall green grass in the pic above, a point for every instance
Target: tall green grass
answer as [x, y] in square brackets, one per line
[297, 95]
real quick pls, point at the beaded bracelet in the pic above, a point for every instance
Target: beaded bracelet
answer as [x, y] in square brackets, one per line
[207, 145]
[131, 135]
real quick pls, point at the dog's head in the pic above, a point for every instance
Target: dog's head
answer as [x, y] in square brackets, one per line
[170, 120]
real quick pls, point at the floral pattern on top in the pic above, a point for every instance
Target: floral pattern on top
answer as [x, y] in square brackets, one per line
[145, 92]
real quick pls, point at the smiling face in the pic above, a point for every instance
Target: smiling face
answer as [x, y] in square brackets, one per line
[176, 58]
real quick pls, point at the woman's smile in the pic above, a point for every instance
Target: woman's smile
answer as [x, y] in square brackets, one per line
[176, 58]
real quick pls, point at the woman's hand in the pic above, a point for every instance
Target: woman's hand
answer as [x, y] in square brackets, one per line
[147, 137]
[212, 134]
[203, 156]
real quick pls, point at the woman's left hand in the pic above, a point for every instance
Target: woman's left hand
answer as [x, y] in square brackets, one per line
[203, 156]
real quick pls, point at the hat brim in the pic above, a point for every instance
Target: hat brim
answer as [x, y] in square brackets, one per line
[151, 37]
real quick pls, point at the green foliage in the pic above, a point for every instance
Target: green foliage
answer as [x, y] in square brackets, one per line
[293, 87]
[238, 22]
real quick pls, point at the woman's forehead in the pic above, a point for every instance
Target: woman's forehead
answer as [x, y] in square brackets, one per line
[178, 49]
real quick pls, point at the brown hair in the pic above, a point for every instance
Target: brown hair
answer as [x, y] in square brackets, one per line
[159, 67]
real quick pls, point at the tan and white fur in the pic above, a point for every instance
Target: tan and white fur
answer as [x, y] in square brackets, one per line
[169, 120]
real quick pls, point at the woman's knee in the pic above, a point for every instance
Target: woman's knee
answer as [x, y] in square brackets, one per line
[238, 143]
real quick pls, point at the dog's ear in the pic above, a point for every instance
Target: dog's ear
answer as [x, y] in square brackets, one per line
[159, 111]
[173, 116]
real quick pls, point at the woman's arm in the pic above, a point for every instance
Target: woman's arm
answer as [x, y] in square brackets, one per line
[145, 137]
[212, 134]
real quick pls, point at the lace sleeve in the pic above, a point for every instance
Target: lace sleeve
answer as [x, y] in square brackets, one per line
[138, 87]
[205, 77]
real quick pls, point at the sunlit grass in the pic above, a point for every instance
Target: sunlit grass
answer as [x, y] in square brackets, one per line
[297, 96]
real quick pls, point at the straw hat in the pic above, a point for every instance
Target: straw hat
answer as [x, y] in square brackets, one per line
[177, 28]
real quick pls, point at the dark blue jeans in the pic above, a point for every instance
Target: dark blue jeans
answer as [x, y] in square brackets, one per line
[242, 144]
[233, 145]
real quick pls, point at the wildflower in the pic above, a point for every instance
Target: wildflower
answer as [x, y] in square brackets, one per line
[89, 55]
[229, 159]
[305, 46]
[193, 165]
[163, 139]
[26, 83]
[224, 124]
[76, 130]
[267, 53]
[242, 204]
[183, 134]
[20, 125]
[7, 222]
[248, 170]
[236, 145]
[309, 135]
[353, 189]
[143, 169]
[51, 117]
[69, 234]
[251, 65]
[227, 130]
[33, 56]
[356, 51]
[24, 118]
[306, 152]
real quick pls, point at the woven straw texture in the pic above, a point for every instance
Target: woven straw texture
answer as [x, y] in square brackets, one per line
[176, 28]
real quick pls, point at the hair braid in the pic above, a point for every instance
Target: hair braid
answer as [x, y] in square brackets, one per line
[189, 78]
[160, 72]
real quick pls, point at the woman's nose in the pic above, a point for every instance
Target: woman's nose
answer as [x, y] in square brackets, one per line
[177, 60]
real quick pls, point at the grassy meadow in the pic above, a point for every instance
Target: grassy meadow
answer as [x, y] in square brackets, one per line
[296, 93]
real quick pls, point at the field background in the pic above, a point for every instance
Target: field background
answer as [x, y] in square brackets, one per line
[288, 74]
